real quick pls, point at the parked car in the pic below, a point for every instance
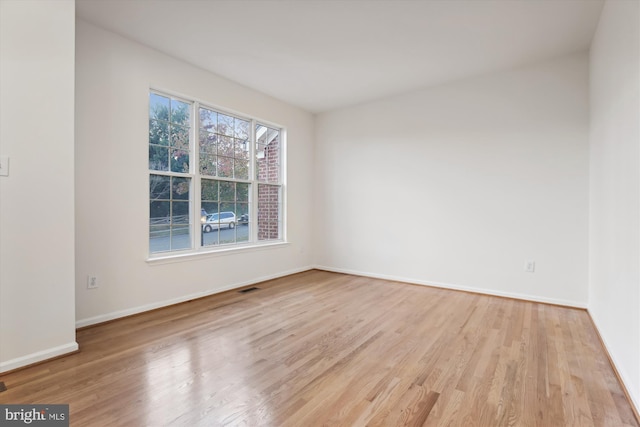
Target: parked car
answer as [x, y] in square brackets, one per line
[215, 221]
[244, 219]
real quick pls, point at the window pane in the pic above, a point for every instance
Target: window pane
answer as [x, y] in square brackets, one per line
[242, 216]
[159, 238]
[272, 135]
[228, 207]
[209, 190]
[159, 212]
[242, 209]
[179, 137]
[268, 162]
[208, 142]
[225, 167]
[241, 129]
[225, 125]
[179, 161]
[180, 237]
[227, 235]
[208, 120]
[224, 217]
[268, 212]
[227, 191]
[241, 149]
[180, 188]
[207, 207]
[242, 234]
[225, 146]
[268, 230]
[242, 193]
[210, 232]
[158, 132]
[208, 164]
[159, 187]
[261, 167]
[168, 126]
[158, 107]
[273, 172]
[180, 213]
[179, 112]
[158, 158]
[169, 216]
[267, 154]
[241, 169]
[261, 134]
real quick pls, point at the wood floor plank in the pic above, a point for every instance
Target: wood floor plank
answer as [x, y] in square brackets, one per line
[328, 349]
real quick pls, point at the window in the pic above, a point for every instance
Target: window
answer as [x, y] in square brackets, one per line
[268, 177]
[225, 168]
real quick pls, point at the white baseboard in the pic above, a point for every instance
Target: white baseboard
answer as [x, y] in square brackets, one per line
[455, 287]
[630, 391]
[39, 356]
[140, 309]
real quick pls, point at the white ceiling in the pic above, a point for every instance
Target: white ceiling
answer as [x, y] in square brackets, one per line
[323, 55]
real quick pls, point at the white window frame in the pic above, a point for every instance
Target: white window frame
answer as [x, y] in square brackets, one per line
[196, 178]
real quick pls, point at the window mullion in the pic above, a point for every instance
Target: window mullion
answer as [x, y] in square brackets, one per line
[196, 228]
[253, 208]
[281, 183]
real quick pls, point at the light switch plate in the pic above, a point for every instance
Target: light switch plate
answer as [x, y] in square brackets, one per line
[4, 166]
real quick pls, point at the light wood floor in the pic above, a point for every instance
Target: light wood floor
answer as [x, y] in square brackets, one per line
[321, 348]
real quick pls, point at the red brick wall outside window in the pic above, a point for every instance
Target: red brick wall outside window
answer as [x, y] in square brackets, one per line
[269, 194]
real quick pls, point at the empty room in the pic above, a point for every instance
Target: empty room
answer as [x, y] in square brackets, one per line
[320, 212]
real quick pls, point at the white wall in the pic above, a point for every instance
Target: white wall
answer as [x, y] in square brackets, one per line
[37, 199]
[458, 185]
[614, 226]
[113, 77]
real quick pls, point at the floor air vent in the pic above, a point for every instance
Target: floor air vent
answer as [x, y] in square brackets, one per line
[244, 291]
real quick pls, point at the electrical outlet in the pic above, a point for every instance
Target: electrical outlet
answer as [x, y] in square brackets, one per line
[92, 282]
[530, 266]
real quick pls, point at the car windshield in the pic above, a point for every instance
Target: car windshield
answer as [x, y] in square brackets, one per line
[213, 217]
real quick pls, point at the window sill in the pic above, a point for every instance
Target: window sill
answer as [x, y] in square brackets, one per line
[167, 258]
